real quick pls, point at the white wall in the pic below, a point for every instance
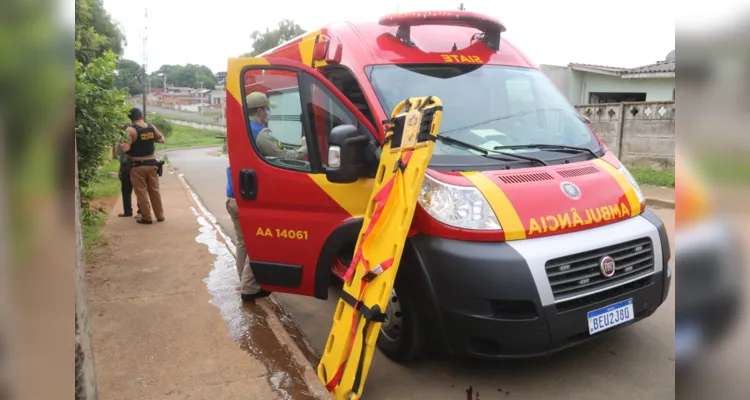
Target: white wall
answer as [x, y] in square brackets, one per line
[655, 89]
[577, 85]
[558, 76]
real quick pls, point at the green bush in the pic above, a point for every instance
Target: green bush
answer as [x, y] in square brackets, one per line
[100, 114]
[164, 126]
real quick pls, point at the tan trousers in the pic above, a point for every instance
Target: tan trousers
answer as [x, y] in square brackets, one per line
[248, 284]
[145, 182]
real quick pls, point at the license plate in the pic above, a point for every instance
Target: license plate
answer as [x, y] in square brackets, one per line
[610, 316]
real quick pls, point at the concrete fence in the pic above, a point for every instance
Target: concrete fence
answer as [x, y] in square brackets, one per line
[640, 133]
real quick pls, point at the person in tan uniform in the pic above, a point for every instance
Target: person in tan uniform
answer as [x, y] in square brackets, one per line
[144, 168]
[259, 109]
[249, 287]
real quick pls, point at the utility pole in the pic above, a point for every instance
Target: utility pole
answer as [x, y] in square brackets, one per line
[200, 102]
[145, 59]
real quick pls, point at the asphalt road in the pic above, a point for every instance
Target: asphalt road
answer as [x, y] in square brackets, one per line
[633, 363]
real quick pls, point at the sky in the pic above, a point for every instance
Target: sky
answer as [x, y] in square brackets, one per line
[616, 33]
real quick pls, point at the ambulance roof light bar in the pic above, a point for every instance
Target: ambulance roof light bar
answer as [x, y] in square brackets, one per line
[491, 28]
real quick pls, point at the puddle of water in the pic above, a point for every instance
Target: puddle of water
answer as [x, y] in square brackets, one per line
[246, 322]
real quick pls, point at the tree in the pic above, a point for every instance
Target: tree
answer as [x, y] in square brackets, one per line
[269, 39]
[95, 32]
[130, 76]
[190, 75]
[100, 111]
[100, 107]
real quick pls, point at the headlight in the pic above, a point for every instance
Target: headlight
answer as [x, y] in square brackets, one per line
[637, 188]
[457, 206]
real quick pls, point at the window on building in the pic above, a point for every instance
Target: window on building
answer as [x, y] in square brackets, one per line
[602, 97]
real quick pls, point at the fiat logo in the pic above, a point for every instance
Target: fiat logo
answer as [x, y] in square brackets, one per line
[571, 190]
[607, 266]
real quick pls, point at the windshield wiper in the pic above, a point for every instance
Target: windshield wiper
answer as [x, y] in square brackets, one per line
[487, 152]
[558, 147]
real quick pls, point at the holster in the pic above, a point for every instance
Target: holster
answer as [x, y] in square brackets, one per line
[160, 168]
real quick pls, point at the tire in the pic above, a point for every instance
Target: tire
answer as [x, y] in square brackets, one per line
[402, 336]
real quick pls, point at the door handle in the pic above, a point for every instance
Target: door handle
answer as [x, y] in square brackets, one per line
[248, 184]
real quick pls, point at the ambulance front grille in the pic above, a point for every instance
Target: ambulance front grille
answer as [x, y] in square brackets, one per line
[580, 273]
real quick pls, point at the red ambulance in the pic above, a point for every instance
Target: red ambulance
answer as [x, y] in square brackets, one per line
[530, 236]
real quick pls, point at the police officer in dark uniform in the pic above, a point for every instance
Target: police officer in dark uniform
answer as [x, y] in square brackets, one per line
[259, 109]
[126, 186]
[144, 167]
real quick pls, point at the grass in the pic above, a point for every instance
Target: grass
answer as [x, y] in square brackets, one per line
[94, 218]
[648, 176]
[92, 230]
[185, 136]
[213, 114]
[189, 119]
[106, 187]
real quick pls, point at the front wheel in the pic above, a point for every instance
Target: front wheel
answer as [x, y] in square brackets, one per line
[402, 334]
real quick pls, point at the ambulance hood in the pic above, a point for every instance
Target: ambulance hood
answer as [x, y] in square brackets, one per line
[546, 201]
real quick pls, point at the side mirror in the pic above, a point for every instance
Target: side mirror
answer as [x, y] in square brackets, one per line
[347, 154]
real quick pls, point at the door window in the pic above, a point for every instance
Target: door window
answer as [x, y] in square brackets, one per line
[275, 126]
[297, 103]
[325, 113]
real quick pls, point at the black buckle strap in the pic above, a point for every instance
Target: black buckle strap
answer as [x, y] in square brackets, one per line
[399, 165]
[360, 364]
[370, 314]
[369, 276]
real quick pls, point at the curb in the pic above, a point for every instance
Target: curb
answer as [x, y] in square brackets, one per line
[659, 203]
[270, 305]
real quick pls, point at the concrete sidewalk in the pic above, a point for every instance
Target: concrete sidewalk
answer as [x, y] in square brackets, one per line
[658, 196]
[167, 320]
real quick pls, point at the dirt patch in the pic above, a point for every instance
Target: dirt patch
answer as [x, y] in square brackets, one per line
[107, 204]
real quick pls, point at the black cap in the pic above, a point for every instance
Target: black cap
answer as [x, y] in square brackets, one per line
[135, 114]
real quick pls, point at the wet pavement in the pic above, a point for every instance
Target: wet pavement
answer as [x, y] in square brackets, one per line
[636, 362]
[249, 323]
[158, 333]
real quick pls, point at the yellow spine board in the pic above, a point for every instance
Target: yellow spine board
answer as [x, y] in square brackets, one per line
[385, 241]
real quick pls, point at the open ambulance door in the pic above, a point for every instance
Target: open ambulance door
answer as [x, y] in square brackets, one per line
[290, 204]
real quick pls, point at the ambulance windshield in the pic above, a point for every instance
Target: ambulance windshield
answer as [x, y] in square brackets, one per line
[487, 105]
